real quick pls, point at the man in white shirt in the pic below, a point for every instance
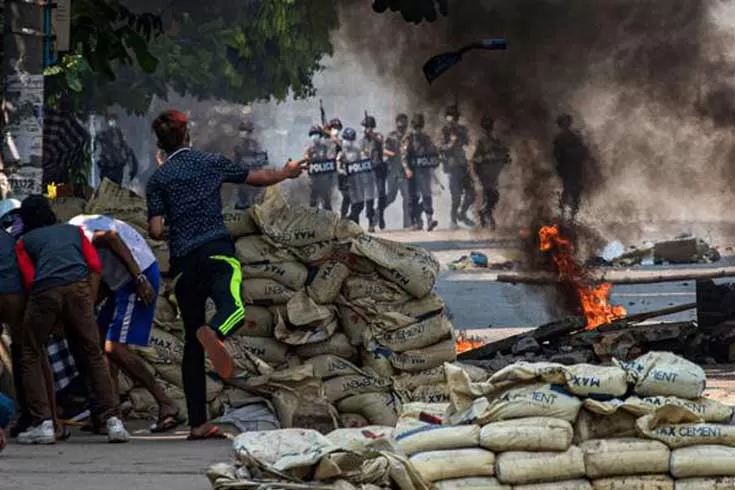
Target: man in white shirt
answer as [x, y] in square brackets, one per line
[130, 272]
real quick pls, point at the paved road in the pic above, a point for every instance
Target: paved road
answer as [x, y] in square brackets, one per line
[477, 302]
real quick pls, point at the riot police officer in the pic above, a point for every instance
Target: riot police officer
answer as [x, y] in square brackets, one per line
[453, 139]
[491, 156]
[322, 169]
[396, 178]
[249, 154]
[571, 155]
[372, 145]
[332, 131]
[360, 179]
[420, 160]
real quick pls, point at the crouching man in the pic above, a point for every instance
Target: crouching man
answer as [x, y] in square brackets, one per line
[131, 275]
[61, 273]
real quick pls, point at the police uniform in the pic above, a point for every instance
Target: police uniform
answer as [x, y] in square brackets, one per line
[571, 155]
[396, 176]
[322, 170]
[372, 146]
[249, 155]
[454, 138]
[420, 158]
[360, 179]
[490, 157]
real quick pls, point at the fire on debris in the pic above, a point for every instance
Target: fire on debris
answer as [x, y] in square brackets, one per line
[466, 343]
[594, 298]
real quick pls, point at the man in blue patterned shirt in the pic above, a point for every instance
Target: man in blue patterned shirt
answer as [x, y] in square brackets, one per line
[185, 192]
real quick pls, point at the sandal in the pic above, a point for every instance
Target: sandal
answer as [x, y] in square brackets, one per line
[166, 423]
[214, 432]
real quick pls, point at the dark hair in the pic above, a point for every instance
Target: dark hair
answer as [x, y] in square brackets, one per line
[171, 130]
[36, 212]
[564, 120]
[402, 118]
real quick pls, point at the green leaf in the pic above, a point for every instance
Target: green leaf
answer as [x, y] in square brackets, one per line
[138, 44]
[73, 81]
[52, 70]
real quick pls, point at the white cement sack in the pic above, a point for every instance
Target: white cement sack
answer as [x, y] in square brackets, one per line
[678, 427]
[590, 425]
[621, 457]
[359, 439]
[710, 483]
[171, 373]
[377, 408]
[645, 482]
[457, 463]
[665, 374]
[239, 222]
[121, 203]
[320, 252]
[296, 226]
[284, 449]
[422, 307]
[259, 322]
[374, 287]
[66, 208]
[124, 384]
[355, 384]
[290, 274]
[167, 347]
[426, 358]
[709, 460]
[472, 483]
[310, 333]
[412, 268]
[266, 292]
[416, 436]
[710, 410]
[579, 484]
[434, 376]
[529, 434]
[539, 467]
[377, 362]
[257, 249]
[523, 372]
[165, 312]
[427, 394]
[337, 345]
[587, 380]
[354, 322]
[327, 283]
[353, 420]
[413, 410]
[412, 337]
[535, 400]
[267, 349]
[329, 366]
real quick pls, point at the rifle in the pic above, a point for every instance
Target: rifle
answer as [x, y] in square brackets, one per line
[322, 113]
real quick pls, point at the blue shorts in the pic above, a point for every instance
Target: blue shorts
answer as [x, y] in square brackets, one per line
[126, 319]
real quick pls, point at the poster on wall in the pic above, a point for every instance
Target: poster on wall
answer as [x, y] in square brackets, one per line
[24, 99]
[25, 181]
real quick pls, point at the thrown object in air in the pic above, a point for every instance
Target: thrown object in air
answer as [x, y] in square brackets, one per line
[443, 62]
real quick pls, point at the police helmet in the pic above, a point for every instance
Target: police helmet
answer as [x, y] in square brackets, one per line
[314, 130]
[417, 121]
[487, 123]
[335, 124]
[369, 122]
[349, 134]
[564, 120]
[247, 126]
[452, 110]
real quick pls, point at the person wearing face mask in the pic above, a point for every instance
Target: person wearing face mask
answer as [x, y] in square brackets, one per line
[396, 178]
[420, 160]
[453, 139]
[358, 169]
[372, 145]
[322, 169]
[249, 154]
[490, 158]
[333, 131]
[115, 154]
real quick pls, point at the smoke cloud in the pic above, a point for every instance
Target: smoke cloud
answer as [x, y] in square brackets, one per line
[646, 81]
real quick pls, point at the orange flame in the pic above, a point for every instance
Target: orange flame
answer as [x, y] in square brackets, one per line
[593, 298]
[465, 343]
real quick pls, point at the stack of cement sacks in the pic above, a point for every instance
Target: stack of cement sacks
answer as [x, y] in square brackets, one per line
[341, 327]
[535, 426]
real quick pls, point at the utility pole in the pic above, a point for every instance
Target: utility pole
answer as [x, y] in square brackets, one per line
[23, 97]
